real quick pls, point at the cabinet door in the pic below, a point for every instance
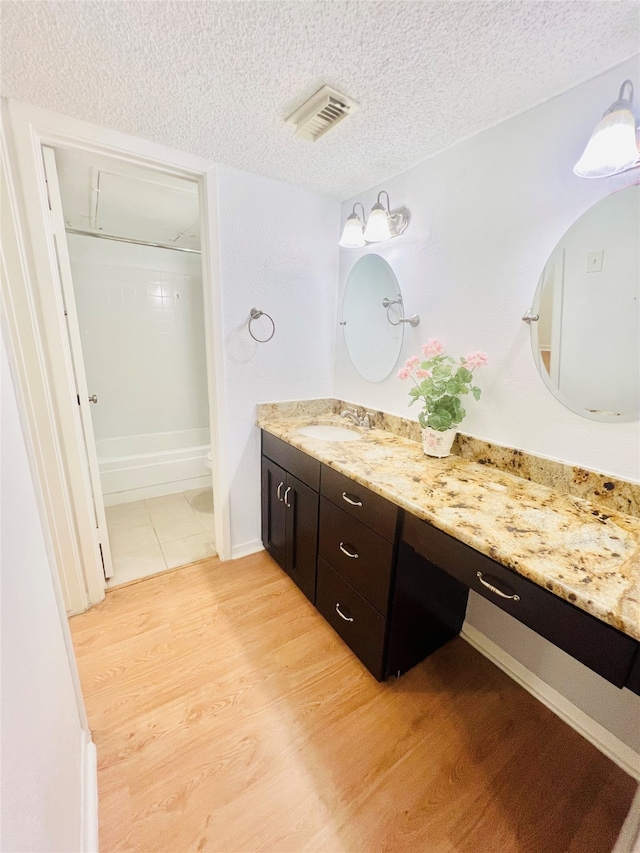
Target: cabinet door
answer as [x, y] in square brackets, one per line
[302, 535]
[274, 511]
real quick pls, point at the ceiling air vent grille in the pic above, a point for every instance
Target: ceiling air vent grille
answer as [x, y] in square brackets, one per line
[320, 113]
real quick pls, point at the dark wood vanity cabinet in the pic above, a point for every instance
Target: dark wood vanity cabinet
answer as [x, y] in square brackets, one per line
[355, 565]
[338, 542]
[390, 612]
[393, 586]
[290, 511]
[597, 645]
[633, 681]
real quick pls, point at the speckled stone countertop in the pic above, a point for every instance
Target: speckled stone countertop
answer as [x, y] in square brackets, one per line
[565, 544]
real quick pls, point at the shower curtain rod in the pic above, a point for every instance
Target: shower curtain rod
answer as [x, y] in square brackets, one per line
[130, 240]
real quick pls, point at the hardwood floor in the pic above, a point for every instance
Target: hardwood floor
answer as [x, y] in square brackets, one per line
[229, 717]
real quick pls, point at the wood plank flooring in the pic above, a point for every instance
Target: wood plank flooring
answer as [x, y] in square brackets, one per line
[229, 717]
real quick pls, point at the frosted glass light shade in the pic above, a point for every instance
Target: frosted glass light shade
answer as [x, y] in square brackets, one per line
[612, 147]
[352, 237]
[377, 228]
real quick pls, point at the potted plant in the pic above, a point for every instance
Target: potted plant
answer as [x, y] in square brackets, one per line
[439, 383]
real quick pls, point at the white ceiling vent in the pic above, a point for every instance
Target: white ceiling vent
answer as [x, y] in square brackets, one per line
[321, 112]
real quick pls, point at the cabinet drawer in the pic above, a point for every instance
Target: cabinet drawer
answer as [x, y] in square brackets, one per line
[597, 645]
[360, 625]
[299, 464]
[363, 504]
[369, 569]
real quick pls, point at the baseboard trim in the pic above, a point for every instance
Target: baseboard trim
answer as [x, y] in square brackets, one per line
[246, 548]
[89, 796]
[609, 744]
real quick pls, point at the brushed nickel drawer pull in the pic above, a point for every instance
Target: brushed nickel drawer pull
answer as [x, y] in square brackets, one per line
[353, 556]
[286, 492]
[346, 498]
[279, 491]
[341, 614]
[495, 589]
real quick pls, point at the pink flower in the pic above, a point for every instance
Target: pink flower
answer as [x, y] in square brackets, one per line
[404, 373]
[476, 359]
[411, 361]
[432, 347]
[423, 374]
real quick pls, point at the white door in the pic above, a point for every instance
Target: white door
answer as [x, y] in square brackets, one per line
[85, 398]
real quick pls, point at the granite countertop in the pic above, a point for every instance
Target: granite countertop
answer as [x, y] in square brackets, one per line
[565, 544]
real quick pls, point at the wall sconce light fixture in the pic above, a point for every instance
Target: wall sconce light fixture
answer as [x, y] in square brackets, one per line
[383, 224]
[612, 147]
[352, 233]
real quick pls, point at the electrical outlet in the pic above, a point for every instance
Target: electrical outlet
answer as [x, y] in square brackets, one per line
[594, 261]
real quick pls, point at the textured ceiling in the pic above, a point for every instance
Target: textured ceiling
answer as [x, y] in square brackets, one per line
[219, 78]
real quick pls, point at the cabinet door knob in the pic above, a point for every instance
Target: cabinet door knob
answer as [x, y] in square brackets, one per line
[353, 555]
[349, 500]
[279, 491]
[286, 492]
[341, 614]
[495, 589]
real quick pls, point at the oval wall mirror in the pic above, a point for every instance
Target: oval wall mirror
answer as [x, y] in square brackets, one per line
[586, 341]
[372, 328]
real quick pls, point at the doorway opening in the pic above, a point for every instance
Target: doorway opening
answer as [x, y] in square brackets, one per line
[134, 310]
[56, 397]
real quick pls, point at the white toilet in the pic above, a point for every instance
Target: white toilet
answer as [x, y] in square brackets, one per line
[208, 461]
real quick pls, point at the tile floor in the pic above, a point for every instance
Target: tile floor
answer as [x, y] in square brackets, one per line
[157, 534]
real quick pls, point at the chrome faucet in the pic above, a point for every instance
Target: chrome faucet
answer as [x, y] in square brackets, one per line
[361, 420]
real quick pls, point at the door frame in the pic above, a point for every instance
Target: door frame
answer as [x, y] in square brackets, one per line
[27, 129]
[65, 277]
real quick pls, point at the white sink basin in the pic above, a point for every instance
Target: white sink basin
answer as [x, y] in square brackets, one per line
[328, 432]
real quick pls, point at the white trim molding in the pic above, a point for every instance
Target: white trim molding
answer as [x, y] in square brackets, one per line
[611, 746]
[89, 796]
[28, 129]
[245, 549]
[26, 352]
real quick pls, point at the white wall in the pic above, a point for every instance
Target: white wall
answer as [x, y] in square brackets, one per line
[277, 253]
[486, 215]
[42, 735]
[140, 311]
[617, 710]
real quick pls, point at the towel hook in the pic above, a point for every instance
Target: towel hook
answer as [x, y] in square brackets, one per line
[254, 314]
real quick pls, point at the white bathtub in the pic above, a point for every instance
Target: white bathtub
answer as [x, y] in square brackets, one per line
[145, 466]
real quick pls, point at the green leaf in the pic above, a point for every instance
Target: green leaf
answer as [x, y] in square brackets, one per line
[439, 420]
[457, 412]
[476, 392]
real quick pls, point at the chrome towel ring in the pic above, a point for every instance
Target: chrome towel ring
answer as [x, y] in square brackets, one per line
[254, 314]
[389, 303]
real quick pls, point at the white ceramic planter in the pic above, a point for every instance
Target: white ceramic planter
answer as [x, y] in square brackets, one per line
[436, 443]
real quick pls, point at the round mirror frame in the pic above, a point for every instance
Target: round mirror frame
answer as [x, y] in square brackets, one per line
[604, 416]
[369, 309]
